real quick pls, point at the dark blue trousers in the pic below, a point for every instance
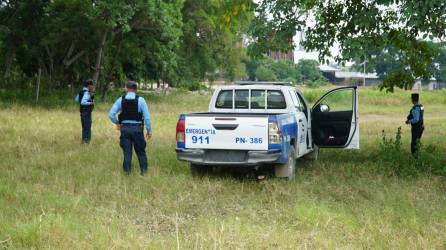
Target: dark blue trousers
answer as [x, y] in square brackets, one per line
[132, 136]
[86, 125]
[417, 132]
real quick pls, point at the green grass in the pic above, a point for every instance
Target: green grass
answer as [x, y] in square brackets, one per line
[56, 193]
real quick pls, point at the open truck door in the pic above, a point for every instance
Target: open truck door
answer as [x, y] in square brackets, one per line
[335, 120]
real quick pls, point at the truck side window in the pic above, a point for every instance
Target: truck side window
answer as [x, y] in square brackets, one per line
[275, 99]
[224, 100]
[339, 101]
[296, 101]
[304, 105]
[257, 99]
[241, 99]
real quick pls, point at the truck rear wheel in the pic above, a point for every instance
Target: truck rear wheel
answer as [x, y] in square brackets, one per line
[287, 170]
[198, 170]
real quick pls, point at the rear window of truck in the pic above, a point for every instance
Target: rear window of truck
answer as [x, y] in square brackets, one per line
[224, 100]
[257, 99]
[275, 100]
[241, 99]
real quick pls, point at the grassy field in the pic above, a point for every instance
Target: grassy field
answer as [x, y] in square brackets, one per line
[57, 193]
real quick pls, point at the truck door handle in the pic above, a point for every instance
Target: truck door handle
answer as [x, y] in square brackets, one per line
[300, 120]
[225, 126]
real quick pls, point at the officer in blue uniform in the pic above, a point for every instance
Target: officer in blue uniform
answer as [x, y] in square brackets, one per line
[134, 113]
[416, 120]
[85, 98]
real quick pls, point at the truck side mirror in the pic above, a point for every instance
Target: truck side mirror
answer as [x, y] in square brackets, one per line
[297, 108]
[324, 108]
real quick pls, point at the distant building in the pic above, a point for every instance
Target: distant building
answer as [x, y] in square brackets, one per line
[340, 77]
[277, 55]
[433, 84]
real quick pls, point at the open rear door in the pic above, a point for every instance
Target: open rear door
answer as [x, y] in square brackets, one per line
[335, 120]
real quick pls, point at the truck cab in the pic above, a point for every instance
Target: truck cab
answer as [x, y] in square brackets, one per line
[267, 123]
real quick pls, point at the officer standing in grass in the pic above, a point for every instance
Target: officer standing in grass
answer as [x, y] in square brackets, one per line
[85, 98]
[416, 120]
[134, 113]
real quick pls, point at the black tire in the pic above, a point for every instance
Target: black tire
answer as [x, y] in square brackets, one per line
[198, 170]
[314, 155]
[288, 170]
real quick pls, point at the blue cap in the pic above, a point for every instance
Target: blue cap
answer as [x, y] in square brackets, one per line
[88, 82]
[131, 85]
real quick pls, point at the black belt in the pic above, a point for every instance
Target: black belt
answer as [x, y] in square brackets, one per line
[131, 124]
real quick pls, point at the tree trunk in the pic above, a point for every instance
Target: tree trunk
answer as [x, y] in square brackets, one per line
[97, 68]
[158, 85]
[70, 61]
[51, 62]
[9, 64]
[38, 85]
[104, 91]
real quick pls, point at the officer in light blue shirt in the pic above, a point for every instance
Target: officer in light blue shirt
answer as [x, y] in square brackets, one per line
[416, 120]
[85, 98]
[133, 116]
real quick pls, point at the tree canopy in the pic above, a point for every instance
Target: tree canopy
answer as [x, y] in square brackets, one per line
[359, 29]
[112, 40]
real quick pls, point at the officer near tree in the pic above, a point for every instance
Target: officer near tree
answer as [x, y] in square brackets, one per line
[85, 98]
[416, 120]
[133, 115]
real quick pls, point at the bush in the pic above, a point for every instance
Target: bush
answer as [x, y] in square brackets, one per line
[265, 74]
[394, 160]
[316, 83]
[191, 85]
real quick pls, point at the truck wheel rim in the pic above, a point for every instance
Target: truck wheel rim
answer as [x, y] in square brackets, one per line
[290, 166]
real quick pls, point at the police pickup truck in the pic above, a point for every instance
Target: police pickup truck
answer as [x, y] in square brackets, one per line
[267, 123]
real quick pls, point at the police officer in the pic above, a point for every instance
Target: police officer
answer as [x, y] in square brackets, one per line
[85, 98]
[134, 113]
[416, 120]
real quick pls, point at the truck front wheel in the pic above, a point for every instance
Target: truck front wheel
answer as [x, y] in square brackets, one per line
[314, 155]
[287, 170]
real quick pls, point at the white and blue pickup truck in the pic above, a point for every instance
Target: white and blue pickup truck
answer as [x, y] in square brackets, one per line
[267, 123]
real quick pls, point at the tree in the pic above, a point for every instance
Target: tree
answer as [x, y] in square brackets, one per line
[265, 74]
[212, 37]
[113, 40]
[439, 64]
[281, 70]
[388, 63]
[357, 27]
[308, 70]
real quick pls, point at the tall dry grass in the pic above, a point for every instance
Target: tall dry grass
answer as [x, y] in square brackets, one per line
[57, 193]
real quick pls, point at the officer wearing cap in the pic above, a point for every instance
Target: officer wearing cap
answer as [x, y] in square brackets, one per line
[416, 120]
[85, 98]
[133, 115]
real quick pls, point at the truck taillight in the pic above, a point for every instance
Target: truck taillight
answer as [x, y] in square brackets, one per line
[275, 135]
[180, 131]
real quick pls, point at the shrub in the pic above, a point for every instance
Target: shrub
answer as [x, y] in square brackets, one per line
[394, 160]
[191, 85]
[265, 74]
[316, 83]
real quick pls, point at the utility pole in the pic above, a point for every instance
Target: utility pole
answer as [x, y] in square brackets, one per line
[363, 78]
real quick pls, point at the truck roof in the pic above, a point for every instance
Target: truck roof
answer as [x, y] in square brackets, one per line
[258, 86]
